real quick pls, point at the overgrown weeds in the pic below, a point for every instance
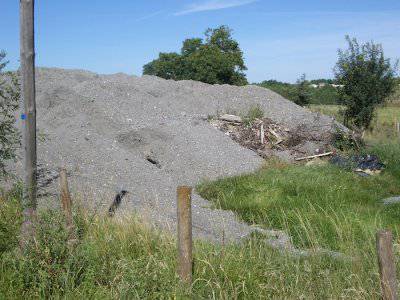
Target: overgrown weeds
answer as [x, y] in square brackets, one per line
[254, 113]
[125, 259]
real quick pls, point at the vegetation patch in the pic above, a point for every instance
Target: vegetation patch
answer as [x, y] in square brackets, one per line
[319, 206]
[125, 259]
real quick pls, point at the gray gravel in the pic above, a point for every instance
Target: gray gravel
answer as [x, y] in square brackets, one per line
[103, 128]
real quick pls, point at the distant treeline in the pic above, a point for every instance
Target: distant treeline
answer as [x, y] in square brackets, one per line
[325, 93]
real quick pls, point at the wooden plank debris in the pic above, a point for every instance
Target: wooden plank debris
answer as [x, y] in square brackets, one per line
[314, 156]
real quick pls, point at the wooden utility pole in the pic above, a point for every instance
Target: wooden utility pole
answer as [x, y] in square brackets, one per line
[387, 266]
[27, 48]
[185, 258]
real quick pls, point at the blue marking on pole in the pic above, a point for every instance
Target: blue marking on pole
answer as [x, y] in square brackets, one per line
[23, 116]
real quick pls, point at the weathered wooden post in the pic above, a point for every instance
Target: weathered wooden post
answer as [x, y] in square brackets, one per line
[27, 56]
[66, 199]
[387, 267]
[184, 209]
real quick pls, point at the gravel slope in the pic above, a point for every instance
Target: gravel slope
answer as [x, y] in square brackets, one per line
[103, 128]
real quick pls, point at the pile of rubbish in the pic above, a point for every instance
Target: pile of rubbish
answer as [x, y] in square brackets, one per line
[269, 138]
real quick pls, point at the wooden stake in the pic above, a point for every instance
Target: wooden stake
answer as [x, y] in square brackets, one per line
[27, 54]
[66, 199]
[387, 267]
[185, 259]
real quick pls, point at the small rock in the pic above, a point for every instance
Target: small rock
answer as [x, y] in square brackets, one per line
[231, 118]
[391, 200]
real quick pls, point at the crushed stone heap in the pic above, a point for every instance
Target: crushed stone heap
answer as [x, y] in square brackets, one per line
[148, 135]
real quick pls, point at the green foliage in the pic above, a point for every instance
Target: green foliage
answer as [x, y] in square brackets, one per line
[368, 79]
[254, 113]
[10, 219]
[326, 94]
[284, 89]
[302, 91]
[320, 206]
[345, 141]
[126, 260]
[322, 81]
[215, 60]
[9, 101]
[168, 66]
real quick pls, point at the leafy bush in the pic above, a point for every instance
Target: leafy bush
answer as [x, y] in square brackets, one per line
[9, 101]
[215, 60]
[368, 79]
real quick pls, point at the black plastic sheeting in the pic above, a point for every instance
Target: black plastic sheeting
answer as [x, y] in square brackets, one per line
[365, 164]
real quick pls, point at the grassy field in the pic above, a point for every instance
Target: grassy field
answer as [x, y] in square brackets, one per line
[383, 125]
[127, 260]
[321, 206]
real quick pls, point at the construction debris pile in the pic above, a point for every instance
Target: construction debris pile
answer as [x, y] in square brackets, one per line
[268, 138]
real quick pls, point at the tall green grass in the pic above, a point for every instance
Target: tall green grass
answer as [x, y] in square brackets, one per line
[125, 259]
[319, 206]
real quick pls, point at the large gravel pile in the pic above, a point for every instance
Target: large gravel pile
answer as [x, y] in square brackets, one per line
[148, 135]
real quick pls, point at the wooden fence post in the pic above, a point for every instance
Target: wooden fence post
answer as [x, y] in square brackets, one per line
[184, 210]
[66, 200]
[27, 56]
[387, 267]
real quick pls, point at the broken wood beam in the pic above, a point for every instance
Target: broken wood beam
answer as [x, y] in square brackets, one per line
[277, 136]
[314, 156]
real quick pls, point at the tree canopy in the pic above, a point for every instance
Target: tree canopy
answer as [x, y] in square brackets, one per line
[217, 59]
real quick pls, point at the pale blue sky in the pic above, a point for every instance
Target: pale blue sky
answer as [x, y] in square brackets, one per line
[281, 39]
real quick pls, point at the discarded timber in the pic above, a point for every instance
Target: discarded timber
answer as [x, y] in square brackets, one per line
[314, 156]
[262, 134]
[277, 136]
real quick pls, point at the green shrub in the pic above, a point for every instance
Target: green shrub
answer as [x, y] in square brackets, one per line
[368, 79]
[9, 101]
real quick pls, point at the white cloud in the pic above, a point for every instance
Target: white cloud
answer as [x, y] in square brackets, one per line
[149, 16]
[212, 5]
